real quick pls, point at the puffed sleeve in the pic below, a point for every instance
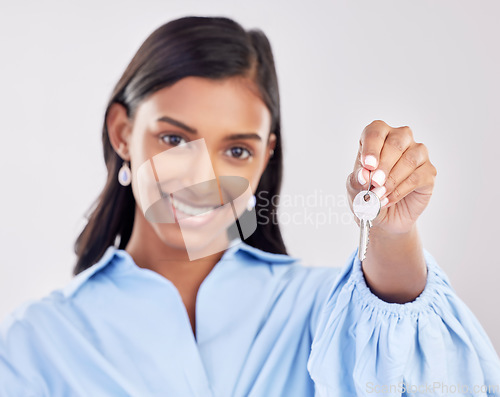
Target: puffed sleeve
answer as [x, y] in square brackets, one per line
[434, 345]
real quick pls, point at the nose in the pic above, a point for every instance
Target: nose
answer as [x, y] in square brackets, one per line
[200, 180]
[201, 169]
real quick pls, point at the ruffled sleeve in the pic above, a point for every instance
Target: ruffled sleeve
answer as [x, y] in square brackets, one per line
[434, 345]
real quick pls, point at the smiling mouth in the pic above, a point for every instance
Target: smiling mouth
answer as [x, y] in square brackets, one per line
[190, 209]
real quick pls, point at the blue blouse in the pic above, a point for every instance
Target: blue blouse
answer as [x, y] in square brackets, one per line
[266, 326]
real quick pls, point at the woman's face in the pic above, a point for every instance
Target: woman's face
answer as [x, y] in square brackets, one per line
[182, 140]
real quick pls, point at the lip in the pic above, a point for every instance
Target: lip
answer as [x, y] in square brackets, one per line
[190, 203]
[194, 220]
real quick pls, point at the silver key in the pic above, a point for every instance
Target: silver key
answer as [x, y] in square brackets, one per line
[366, 206]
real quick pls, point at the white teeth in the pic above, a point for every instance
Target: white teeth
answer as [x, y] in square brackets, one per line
[187, 209]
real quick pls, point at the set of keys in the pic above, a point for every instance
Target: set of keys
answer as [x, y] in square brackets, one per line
[366, 206]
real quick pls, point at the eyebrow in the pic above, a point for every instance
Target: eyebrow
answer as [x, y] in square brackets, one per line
[249, 135]
[177, 123]
[233, 137]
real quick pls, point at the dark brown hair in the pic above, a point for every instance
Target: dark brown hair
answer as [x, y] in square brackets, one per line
[211, 47]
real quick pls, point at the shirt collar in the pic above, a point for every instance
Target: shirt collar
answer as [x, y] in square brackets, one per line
[237, 247]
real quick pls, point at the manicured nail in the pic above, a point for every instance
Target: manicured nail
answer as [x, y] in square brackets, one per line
[371, 160]
[361, 180]
[379, 191]
[379, 177]
[384, 201]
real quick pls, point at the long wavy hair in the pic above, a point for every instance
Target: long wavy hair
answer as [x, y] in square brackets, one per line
[211, 47]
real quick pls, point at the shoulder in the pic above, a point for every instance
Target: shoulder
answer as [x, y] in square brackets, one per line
[32, 310]
[32, 334]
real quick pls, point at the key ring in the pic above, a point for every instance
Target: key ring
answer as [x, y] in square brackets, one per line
[366, 197]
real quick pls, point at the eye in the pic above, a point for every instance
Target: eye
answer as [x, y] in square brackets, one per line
[172, 139]
[239, 153]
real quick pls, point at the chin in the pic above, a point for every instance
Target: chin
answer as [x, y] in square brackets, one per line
[170, 234]
[197, 242]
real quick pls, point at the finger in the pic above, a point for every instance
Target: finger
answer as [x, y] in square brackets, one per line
[410, 160]
[371, 143]
[362, 177]
[359, 171]
[396, 143]
[420, 180]
[353, 185]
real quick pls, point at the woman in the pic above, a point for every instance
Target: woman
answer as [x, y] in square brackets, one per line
[182, 290]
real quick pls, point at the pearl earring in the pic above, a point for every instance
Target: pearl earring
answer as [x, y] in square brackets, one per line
[124, 174]
[271, 152]
[251, 202]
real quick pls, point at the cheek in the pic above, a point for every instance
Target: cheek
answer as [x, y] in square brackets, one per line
[256, 173]
[250, 171]
[142, 147]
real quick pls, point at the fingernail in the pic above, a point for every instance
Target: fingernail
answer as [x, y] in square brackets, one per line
[379, 177]
[371, 160]
[361, 180]
[379, 191]
[384, 201]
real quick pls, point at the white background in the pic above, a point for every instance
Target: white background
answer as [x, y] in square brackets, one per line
[432, 65]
